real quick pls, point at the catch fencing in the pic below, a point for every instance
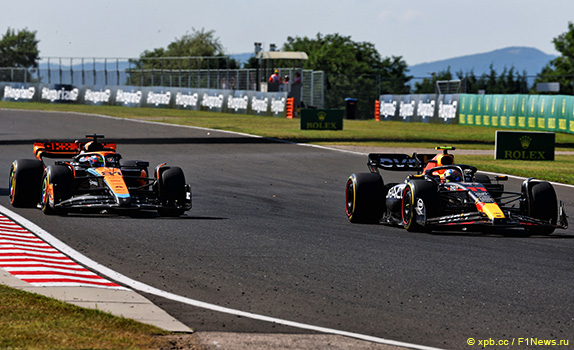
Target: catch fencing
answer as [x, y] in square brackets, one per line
[184, 72]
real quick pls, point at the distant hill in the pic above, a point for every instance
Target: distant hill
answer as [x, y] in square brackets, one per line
[522, 59]
[242, 57]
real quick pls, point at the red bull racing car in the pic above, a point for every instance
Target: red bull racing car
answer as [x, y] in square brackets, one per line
[94, 178]
[443, 195]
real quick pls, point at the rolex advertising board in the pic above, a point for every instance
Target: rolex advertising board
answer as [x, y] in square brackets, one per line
[322, 119]
[524, 145]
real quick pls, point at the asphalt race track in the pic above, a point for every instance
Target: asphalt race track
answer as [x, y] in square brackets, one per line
[268, 235]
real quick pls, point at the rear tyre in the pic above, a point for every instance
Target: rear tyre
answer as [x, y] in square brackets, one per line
[57, 186]
[172, 192]
[25, 183]
[365, 198]
[542, 205]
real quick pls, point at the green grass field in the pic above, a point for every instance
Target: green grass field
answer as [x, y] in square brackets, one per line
[32, 321]
[369, 133]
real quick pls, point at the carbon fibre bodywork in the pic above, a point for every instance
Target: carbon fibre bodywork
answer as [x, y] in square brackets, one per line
[426, 201]
[94, 178]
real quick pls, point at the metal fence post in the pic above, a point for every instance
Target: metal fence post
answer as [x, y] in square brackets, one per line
[60, 70]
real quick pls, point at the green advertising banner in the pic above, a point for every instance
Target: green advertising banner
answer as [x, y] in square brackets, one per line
[507, 110]
[477, 120]
[555, 113]
[532, 110]
[497, 118]
[570, 114]
[322, 119]
[545, 119]
[487, 109]
[521, 105]
[474, 109]
[465, 108]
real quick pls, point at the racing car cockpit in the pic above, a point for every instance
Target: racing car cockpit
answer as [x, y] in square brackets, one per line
[98, 160]
[91, 161]
[452, 173]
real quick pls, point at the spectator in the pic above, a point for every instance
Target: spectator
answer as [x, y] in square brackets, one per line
[275, 78]
[297, 79]
[286, 85]
[275, 81]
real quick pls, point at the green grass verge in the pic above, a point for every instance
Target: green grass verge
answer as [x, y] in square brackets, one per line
[368, 133]
[32, 321]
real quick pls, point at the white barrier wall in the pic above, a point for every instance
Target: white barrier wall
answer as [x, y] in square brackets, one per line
[228, 101]
[424, 108]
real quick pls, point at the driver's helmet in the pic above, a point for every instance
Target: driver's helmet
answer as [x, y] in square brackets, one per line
[451, 175]
[93, 160]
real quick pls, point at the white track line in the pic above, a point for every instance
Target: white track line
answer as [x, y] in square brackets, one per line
[136, 285]
[154, 291]
[251, 135]
[262, 137]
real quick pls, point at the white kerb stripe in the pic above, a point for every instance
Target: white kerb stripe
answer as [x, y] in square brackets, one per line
[59, 245]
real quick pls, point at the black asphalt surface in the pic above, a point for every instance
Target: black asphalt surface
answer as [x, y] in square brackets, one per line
[268, 235]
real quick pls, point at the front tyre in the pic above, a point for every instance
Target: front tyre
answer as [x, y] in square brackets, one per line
[365, 198]
[542, 205]
[172, 192]
[57, 186]
[419, 199]
[408, 209]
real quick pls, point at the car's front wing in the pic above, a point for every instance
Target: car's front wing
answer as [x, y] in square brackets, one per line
[99, 202]
[481, 219]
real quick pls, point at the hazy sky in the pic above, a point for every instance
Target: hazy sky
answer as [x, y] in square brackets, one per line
[418, 30]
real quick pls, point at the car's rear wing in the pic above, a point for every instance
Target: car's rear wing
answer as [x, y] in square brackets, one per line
[64, 149]
[398, 161]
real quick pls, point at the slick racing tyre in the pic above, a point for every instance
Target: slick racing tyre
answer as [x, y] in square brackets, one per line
[365, 198]
[172, 192]
[25, 183]
[57, 186]
[542, 205]
[419, 198]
